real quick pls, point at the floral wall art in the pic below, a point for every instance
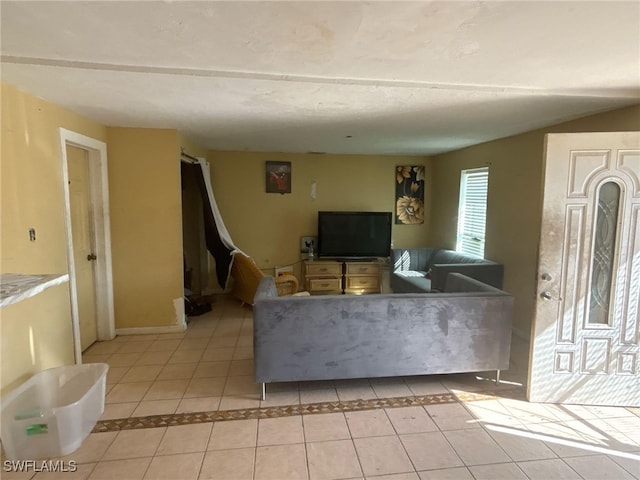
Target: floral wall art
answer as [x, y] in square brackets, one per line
[409, 195]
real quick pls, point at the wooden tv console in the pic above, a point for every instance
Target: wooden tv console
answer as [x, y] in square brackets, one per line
[324, 277]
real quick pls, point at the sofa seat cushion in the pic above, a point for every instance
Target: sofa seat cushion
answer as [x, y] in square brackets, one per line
[411, 273]
[410, 281]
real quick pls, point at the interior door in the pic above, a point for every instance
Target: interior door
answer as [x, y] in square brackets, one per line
[83, 243]
[584, 346]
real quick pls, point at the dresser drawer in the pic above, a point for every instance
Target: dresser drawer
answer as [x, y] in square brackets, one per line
[324, 285]
[324, 268]
[368, 283]
[362, 268]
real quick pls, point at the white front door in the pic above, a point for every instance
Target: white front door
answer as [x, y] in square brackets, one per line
[83, 243]
[584, 344]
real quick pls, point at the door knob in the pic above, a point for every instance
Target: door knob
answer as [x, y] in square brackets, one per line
[546, 295]
[91, 256]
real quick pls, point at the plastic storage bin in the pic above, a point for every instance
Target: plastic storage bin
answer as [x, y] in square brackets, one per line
[52, 413]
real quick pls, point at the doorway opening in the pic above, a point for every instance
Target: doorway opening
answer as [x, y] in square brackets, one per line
[196, 258]
[207, 246]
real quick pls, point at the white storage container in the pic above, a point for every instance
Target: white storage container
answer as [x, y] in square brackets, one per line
[52, 413]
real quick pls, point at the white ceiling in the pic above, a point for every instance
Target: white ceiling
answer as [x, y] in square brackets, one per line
[412, 78]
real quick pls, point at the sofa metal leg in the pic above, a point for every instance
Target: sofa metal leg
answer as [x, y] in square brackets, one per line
[497, 377]
[264, 391]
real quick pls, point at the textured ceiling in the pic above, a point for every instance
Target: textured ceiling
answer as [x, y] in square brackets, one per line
[407, 78]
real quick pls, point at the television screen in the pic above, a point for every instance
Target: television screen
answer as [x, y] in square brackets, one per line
[354, 234]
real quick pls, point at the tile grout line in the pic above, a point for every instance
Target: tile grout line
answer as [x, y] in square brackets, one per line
[175, 419]
[353, 442]
[398, 436]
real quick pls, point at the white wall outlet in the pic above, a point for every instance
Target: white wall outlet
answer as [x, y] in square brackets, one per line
[306, 242]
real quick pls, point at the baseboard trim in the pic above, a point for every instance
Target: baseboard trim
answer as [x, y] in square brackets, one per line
[151, 330]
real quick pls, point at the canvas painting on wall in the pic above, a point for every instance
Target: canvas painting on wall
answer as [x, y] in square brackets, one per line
[409, 195]
[278, 177]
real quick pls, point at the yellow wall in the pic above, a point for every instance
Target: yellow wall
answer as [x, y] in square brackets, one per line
[268, 226]
[36, 335]
[514, 200]
[192, 148]
[32, 197]
[146, 226]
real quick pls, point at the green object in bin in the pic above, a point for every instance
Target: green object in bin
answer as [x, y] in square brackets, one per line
[37, 429]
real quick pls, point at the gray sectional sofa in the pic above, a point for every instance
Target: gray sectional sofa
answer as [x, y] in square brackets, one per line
[467, 328]
[415, 270]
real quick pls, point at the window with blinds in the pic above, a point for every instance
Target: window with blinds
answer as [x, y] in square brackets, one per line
[472, 211]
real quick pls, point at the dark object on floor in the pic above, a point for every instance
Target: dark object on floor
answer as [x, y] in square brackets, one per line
[194, 306]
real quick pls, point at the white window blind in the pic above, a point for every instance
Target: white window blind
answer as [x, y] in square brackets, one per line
[472, 211]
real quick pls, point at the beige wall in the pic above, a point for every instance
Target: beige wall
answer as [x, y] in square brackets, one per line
[191, 147]
[146, 226]
[268, 226]
[35, 333]
[514, 202]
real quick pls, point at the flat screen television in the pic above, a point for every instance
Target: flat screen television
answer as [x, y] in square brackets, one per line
[354, 235]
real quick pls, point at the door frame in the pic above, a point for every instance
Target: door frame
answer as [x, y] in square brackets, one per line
[99, 194]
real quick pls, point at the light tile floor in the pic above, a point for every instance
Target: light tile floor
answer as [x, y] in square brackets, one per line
[480, 432]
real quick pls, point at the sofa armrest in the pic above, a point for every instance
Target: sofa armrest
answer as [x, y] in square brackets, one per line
[490, 273]
[266, 289]
[457, 282]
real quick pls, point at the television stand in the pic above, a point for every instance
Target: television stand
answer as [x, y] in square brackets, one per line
[353, 276]
[323, 277]
[356, 259]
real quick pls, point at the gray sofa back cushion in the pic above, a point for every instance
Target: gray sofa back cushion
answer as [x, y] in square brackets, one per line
[451, 256]
[426, 269]
[415, 259]
[380, 335]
